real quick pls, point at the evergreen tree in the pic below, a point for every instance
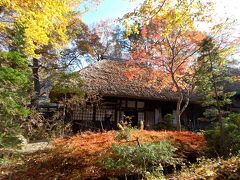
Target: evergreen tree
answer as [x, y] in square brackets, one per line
[14, 94]
[214, 76]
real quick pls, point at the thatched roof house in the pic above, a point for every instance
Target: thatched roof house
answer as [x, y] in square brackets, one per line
[123, 97]
[108, 78]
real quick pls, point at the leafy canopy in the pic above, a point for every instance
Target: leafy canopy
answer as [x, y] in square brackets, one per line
[165, 39]
[45, 22]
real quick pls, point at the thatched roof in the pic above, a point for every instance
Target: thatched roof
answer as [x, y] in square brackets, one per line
[107, 78]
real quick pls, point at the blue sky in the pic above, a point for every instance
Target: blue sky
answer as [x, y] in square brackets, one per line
[112, 9]
[109, 9]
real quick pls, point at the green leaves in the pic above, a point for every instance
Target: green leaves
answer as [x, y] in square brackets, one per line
[14, 94]
[68, 83]
[213, 74]
[141, 159]
[231, 125]
[67, 89]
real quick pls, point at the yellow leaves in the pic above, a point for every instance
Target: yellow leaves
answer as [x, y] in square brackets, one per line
[44, 21]
[206, 172]
[5, 3]
[173, 14]
[236, 78]
[2, 27]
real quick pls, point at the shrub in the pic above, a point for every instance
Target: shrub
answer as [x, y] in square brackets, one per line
[167, 123]
[36, 127]
[81, 156]
[231, 134]
[124, 134]
[212, 169]
[141, 159]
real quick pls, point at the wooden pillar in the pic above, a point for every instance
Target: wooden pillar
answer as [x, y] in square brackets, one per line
[94, 113]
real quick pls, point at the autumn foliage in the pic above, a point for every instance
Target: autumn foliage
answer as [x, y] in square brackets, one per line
[164, 38]
[90, 143]
[80, 156]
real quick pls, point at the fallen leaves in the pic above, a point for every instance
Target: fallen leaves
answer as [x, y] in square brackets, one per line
[79, 156]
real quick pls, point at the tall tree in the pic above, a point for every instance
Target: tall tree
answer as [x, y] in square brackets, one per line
[14, 94]
[103, 40]
[166, 40]
[45, 22]
[214, 55]
[46, 27]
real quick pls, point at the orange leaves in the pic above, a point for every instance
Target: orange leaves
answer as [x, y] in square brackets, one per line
[86, 144]
[129, 75]
[193, 141]
[144, 31]
[174, 89]
[132, 72]
[134, 55]
[173, 53]
[79, 156]
[195, 36]
[148, 73]
[182, 68]
[84, 151]
[95, 144]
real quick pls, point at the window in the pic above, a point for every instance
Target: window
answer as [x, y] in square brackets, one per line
[140, 116]
[123, 103]
[131, 104]
[100, 114]
[87, 114]
[120, 115]
[83, 114]
[77, 113]
[112, 112]
[140, 104]
[174, 117]
[149, 119]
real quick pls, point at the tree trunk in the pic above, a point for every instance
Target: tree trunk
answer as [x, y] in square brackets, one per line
[36, 81]
[178, 115]
[178, 119]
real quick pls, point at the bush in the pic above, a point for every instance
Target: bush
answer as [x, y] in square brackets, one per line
[231, 134]
[167, 123]
[212, 169]
[36, 127]
[141, 159]
[124, 134]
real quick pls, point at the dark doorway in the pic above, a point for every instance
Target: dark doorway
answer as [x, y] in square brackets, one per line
[134, 117]
[166, 111]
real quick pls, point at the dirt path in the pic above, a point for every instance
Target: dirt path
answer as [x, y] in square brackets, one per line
[34, 147]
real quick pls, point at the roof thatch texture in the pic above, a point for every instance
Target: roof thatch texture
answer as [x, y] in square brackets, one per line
[108, 78]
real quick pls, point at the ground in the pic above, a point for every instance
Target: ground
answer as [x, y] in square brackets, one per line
[79, 156]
